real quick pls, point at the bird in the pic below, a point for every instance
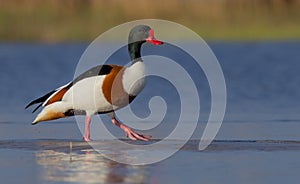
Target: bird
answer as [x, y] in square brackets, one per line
[102, 89]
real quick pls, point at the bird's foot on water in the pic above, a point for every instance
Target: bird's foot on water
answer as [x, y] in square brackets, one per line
[129, 132]
[135, 136]
[86, 139]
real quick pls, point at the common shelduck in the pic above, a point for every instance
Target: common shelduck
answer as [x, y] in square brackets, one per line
[102, 89]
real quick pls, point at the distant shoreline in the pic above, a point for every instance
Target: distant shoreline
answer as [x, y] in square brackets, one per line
[215, 20]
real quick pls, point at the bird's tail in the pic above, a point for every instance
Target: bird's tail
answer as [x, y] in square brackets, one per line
[53, 111]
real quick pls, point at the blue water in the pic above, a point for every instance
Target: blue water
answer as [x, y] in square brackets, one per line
[263, 91]
[261, 78]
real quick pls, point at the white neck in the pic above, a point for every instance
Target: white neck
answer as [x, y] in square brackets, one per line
[134, 78]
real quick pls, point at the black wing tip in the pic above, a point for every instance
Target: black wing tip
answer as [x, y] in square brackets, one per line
[28, 105]
[37, 108]
[31, 103]
[40, 100]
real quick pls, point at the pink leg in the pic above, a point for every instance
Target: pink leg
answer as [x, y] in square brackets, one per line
[86, 135]
[130, 133]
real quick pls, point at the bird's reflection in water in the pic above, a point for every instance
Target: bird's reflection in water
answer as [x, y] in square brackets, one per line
[88, 167]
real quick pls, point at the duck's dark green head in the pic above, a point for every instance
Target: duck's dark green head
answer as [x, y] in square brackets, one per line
[138, 35]
[141, 34]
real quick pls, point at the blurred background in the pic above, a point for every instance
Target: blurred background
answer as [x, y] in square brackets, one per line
[83, 20]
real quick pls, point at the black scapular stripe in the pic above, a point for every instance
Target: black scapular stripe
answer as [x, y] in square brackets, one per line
[97, 70]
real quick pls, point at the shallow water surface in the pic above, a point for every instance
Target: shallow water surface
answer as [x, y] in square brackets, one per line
[49, 161]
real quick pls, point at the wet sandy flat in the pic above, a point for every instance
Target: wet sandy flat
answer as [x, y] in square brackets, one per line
[242, 153]
[80, 147]
[50, 161]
